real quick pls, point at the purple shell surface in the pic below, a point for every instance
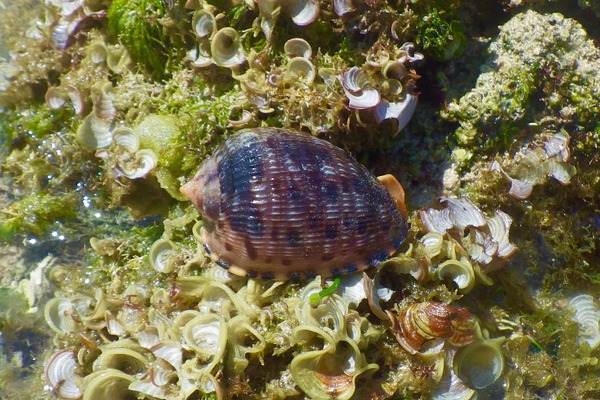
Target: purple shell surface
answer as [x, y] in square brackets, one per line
[279, 204]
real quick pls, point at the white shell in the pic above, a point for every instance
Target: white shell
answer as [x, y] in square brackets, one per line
[299, 69]
[114, 326]
[126, 138]
[226, 48]
[352, 288]
[558, 145]
[518, 189]
[463, 213]
[587, 315]
[460, 272]
[170, 351]
[374, 296]
[480, 246]
[161, 374]
[204, 24]
[148, 337]
[245, 118]
[402, 111]
[200, 54]
[407, 53]
[138, 166]
[60, 373]
[436, 220]
[161, 256]
[55, 98]
[297, 47]
[69, 7]
[103, 97]
[341, 7]
[77, 100]
[433, 242]
[499, 226]
[303, 12]
[480, 363]
[355, 85]
[94, 132]
[561, 171]
[206, 335]
[61, 33]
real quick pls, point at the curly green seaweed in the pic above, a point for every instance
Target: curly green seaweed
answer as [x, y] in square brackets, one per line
[441, 36]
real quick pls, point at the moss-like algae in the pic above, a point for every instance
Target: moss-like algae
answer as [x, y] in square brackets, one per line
[441, 35]
[543, 70]
[138, 26]
[536, 60]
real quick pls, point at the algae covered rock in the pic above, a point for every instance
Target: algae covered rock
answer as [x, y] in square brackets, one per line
[540, 66]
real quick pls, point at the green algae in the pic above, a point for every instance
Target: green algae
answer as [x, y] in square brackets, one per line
[137, 25]
[536, 60]
[441, 36]
[36, 213]
[185, 117]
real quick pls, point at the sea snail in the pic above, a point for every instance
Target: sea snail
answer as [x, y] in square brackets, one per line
[279, 204]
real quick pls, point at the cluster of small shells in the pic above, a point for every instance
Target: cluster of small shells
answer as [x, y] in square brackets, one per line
[187, 336]
[68, 18]
[148, 344]
[118, 146]
[533, 165]
[382, 89]
[183, 339]
[334, 337]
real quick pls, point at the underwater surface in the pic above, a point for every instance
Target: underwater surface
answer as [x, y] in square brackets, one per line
[481, 276]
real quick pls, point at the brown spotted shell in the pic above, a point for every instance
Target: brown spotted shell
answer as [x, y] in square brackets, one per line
[420, 322]
[279, 204]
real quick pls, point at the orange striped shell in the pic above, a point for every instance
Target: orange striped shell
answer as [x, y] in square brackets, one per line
[279, 204]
